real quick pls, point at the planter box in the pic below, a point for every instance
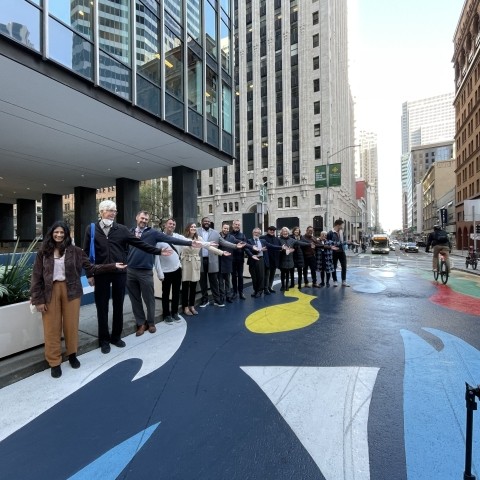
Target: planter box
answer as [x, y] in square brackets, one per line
[19, 329]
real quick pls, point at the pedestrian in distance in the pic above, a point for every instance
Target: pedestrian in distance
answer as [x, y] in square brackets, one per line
[337, 238]
[109, 244]
[56, 291]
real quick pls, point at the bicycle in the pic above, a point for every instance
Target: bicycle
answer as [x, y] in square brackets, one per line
[442, 270]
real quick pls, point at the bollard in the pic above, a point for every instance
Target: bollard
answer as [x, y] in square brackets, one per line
[471, 405]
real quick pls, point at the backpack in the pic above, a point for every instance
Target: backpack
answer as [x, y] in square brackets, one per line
[441, 237]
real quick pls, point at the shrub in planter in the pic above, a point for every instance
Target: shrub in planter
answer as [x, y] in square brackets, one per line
[15, 275]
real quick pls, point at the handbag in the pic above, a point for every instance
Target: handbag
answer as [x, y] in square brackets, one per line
[91, 255]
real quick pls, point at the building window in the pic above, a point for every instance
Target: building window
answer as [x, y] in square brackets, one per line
[294, 202]
[318, 153]
[316, 63]
[315, 18]
[210, 189]
[236, 206]
[318, 199]
[316, 129]
[315, 40]
[316, 108]
[210, 208]
[280, 203]
[230, 207]
[316, 85]
[287, 202]
[225, 208]
[250, 183]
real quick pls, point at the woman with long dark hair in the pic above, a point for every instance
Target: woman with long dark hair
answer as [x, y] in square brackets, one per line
[56, 290]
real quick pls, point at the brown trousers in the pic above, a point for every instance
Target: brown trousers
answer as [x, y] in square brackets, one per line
[61, 314]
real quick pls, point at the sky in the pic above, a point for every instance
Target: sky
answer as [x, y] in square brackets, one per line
[398, 52]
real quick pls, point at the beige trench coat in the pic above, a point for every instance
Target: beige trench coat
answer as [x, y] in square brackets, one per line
[190, 258]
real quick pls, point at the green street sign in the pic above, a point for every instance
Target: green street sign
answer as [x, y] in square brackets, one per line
[263, 193]
[334, 175]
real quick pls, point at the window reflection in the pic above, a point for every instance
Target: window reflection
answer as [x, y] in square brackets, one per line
[211, 96]
[78, 15]
[195, 82]
[174, 7]
[21, 21]
[114, 28]
[210, 30]
[227, 108]
[225, 46]
[147, 44]
[194, 20]
[70, 49]
[173, 64]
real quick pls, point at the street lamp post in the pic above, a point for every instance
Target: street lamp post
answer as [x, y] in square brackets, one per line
[329, 156]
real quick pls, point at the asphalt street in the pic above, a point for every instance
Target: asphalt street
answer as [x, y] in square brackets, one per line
[360, 382]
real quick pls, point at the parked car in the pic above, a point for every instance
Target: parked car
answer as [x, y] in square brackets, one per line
[392, 247]
[402, 246]
[411, 247]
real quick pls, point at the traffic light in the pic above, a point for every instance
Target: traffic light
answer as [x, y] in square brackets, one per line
[477, 228]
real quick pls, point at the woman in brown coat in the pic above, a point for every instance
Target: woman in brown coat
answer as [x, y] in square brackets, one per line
[56, 290]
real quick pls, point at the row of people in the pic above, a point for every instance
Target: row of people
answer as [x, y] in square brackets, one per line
[181, 261]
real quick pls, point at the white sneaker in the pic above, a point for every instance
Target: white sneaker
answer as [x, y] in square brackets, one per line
[204, 304]
[219, 304]
[335, 284]
[345, 284]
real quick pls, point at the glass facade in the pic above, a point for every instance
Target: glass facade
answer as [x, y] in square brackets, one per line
[141, 51]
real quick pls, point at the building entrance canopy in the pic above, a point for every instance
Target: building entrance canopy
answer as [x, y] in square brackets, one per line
[54, 138]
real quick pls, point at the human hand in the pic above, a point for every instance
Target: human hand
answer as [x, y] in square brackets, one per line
[241, 244]
[91, 281]
[197, 244]
[226, 254]
[254, 257]
[41, 308]
[335, 248]
[121, 265]
[166, 252]
[255, 249]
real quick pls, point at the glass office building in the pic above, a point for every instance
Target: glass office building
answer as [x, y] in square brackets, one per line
[170, 58]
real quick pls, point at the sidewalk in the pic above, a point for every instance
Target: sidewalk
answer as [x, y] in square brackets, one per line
[24, 364]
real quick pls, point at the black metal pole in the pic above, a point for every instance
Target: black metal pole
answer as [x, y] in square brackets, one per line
[471, 406]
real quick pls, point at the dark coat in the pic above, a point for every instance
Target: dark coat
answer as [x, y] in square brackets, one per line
[273, 254]
[238, 254]
[114, 248]
[75, 260]
[225, 262]
[298, 260]
[265, 254]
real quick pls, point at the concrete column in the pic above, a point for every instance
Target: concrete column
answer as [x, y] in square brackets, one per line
[85, 212]
[26, 220]
[184, 196]
[52, 210]
[6, 221]
[128, 200]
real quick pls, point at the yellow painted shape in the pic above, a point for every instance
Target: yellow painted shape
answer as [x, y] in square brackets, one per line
[284, 317]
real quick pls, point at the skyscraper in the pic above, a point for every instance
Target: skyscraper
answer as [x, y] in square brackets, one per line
[294, 112]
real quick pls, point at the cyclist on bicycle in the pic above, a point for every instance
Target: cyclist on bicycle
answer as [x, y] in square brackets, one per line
[440, 242]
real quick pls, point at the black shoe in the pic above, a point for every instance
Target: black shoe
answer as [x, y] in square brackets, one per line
[254, 294]
[242, 296]
[74, 363]
[258, 295]
[234, 296]
[229, 300]
[271, 290]
[56, 372]
[105, 348]
[119, 343]
[282, 288]
[299, 286]
[266, 292]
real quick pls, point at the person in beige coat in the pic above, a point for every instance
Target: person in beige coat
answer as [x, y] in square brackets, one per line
[191, 266]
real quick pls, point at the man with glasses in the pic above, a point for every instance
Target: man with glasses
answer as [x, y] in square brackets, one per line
[111, 241]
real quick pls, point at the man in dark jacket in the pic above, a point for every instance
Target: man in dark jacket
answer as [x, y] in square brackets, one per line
[225, 266]
[439, 241]
[237, 262]
[310, 258]
[338, 240]
[140, 283]
[111, 241]
[273, 258]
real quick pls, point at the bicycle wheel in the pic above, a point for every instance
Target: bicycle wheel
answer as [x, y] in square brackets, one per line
[474, 265]
[444, 272]
[435, 274]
